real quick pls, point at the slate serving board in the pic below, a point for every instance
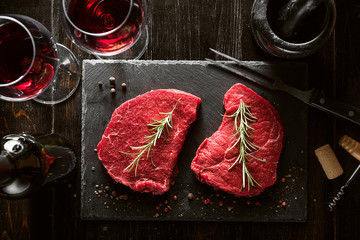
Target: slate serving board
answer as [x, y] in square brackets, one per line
[102, 198]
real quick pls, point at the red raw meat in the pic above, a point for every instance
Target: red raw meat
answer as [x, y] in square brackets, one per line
[215, 156]
[128, 128]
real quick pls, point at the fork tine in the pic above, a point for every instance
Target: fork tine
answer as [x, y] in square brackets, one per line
[254, 76]
[226, 56]
[240, 63]
[230, 69]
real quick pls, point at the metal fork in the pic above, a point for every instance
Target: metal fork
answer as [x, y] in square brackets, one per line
[312, 97]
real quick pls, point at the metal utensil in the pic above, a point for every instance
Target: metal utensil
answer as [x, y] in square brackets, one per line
[332, 204]
[353, 148]
[312, 97]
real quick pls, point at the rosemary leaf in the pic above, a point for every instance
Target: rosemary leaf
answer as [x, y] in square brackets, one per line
[157, 126]
[243, 132]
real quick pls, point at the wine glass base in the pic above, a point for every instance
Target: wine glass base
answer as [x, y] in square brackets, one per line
[134, 52]
[66, 80]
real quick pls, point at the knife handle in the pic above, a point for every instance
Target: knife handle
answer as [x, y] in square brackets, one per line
[342, 110]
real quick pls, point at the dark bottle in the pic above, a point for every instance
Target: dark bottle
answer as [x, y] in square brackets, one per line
[27, 163]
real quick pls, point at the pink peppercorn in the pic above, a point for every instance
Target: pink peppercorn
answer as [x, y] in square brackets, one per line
[207, 201]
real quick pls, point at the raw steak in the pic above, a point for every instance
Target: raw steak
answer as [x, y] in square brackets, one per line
[128, 128]
[215, 156]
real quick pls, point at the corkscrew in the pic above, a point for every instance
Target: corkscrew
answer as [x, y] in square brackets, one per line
[332, 204]
[352, 147]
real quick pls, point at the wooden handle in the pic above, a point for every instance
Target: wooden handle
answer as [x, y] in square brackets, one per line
[329, 162]
[351, 146]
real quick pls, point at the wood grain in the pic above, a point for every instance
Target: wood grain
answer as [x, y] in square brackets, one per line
[185, 30]
[347, 87]
[22, 219]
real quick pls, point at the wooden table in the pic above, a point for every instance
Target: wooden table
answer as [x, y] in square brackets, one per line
[185, 30]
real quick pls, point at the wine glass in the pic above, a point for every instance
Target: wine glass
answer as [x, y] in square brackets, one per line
[107, 28]
[32, 64]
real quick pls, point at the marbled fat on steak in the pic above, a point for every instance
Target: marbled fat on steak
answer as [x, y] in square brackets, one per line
[215, 156]
[128, 128]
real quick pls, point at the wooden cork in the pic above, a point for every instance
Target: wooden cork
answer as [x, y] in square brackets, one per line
[329, 162]
[351, 146]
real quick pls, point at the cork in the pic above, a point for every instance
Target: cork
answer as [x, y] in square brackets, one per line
[329, 162]
[351, 146]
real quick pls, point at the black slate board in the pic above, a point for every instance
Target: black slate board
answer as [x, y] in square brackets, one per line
[102, 198]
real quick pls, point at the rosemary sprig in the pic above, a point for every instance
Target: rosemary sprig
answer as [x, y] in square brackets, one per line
[243, 131]
[161, 127]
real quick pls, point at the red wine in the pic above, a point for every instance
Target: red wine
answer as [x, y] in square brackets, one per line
[16, 55]
[101, 16]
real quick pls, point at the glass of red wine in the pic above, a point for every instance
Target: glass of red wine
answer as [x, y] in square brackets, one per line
[107, 28]
[32, 64]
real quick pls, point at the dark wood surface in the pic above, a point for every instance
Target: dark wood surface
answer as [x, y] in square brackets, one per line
[185, 30]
